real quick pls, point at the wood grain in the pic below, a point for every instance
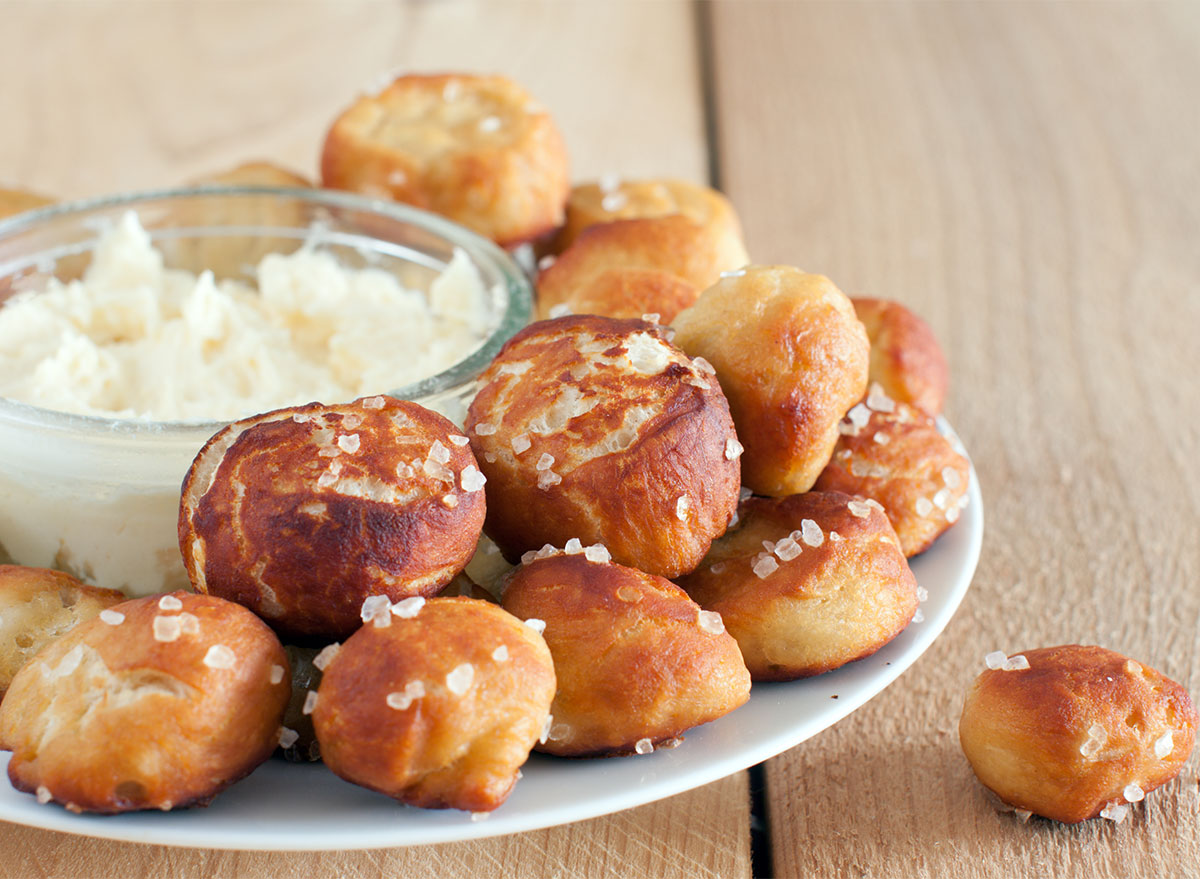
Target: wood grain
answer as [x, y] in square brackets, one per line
[1027, 177]
[130, 94]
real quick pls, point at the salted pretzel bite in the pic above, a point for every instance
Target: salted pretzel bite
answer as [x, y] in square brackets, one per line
[598, 428]
[611, 199]
[791, 357]
[439, 706]
[1073, 732]
[638, 662]
[157, 703]
[36, 606]
[632, 267]
[302, 513]
[807, 583]
[906, 359]
[477, 149]
[894, 453]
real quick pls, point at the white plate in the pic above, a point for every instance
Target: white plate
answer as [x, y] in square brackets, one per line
[283, 806]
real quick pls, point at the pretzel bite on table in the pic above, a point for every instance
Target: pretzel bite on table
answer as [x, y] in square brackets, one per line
[638, 662]
[612, 199]
[807, 583]
[476, 149]
[437, 707]
[302, 513]
[597, 428]
[16, 201]
[906, 359]
[1073, 732]
[38, 605]
[791, 357]
[632, 267]
[158, 703]
[895, 454]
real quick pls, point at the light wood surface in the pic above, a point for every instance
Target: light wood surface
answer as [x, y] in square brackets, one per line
[1026, 176]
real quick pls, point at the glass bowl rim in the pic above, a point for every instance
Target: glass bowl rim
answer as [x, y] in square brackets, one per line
[517, 312]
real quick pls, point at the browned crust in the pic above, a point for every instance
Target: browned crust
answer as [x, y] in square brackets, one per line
[791, 357]
[169, 730]
[269, 534]
[16, 201]
[829, 605]
[632, 660]
[628, 498]
[408, 144]
[446, 749]
[899, 473]
[257, 173]
[1022, 731]
[619, 292]
[38, 605]
[906, 358]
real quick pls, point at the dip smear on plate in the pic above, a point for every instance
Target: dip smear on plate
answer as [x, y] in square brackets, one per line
[134, 339]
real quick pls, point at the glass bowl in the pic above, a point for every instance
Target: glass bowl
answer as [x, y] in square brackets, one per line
[99, 497]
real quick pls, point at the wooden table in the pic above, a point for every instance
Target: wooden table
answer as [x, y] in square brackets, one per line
[1026, 176]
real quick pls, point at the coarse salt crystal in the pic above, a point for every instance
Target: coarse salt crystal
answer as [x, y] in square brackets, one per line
[438, 452]
[484, 429]
[521, 443]
[322, 659]
[451, 91]
[562, 309]
[351, 420]
[787, 549]
[373, 403]
[489, 124]
[560, 731]
[310, 703]
[43, 794]
[546, 261]
[375, 606]
[882, 438]
[490, 457]
[858, 509]
[326, 479]
[874, 504]
[170, 602]
[734, 273]
[922, 593]
[952, 515]
[276, 674]
[500, 654]
[476, 817]
[450, 501]
[407, 608]
[1164, 745]
[573, 546]
[996, 659]
[459, 680]
[189, 624]
[682, 504]
[924, 506]
[459, 440]
[1022, 815]
[471, 479]
[548, 478]
[858, 416]
[537, 625]
[942, 499]
[546, 725]
[710, 621]
[1016, 663]
[167, 629]
[287, 737]
[834, 537]
[545, 462]
[764, 566]
[651, 317]
[220, 656]
[614, 201]
[300, 418]
[399, 700]
[1133, 793]
[810, 533]
[597, 552]
[1115, 812]
[717, 568]
[643, 746]
[878, 400]
[610, 181]
[919, 616]
[112, 617]
[951, 477]
[733, 448]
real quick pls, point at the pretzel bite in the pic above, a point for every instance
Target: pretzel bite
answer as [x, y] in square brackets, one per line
[302, 513]
[439, 706]
[158, 703]
[632, 267]
[906, 359]
[1073, 732]
[17, 201]
[638, 662]
[807, 583]
[36, 606]
[791, 357]
[477, 149]
[895, 454]
[597, 428]
[614, 199]
[256, 174]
